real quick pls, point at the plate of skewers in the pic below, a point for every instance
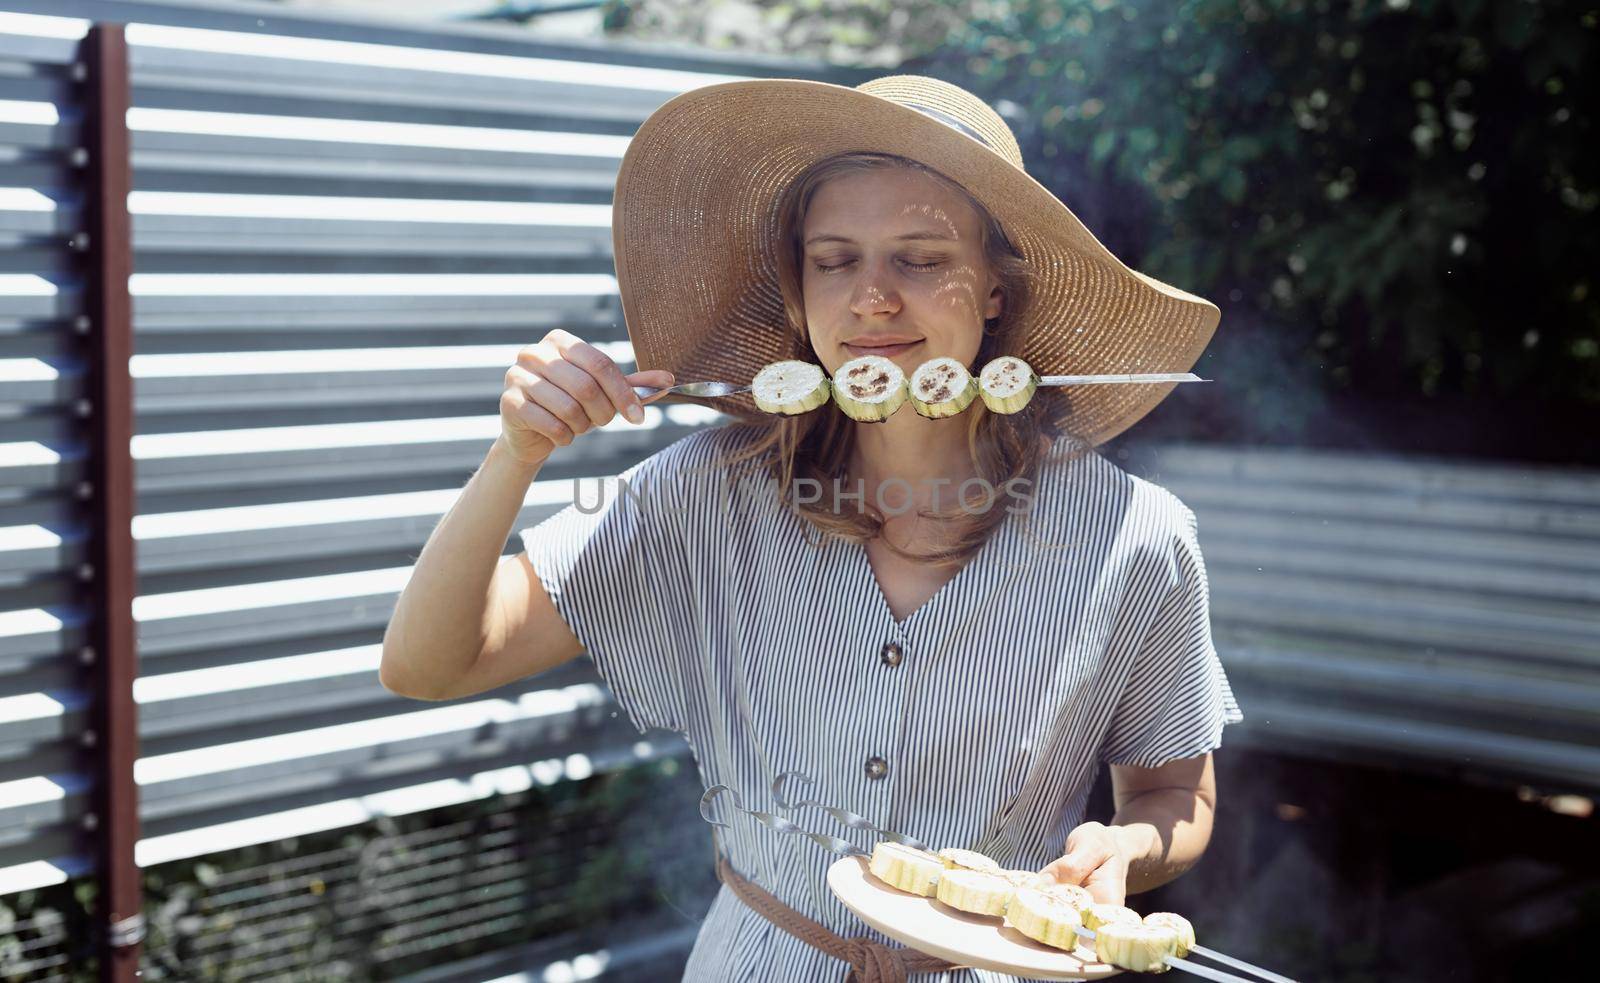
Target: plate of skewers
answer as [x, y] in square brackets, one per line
[962, 906]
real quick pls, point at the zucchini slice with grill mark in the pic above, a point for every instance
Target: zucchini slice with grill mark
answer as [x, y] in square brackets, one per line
[1007, 384]
[790, 387]
[869, 388]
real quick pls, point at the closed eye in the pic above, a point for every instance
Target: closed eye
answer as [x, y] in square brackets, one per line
[839, 266]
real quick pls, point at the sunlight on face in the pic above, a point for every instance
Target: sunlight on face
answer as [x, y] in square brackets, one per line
[892, 256]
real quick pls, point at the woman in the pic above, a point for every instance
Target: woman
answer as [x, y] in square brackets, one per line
[816, 594]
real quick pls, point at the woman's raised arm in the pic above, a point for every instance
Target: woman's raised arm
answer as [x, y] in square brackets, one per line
[469, 620]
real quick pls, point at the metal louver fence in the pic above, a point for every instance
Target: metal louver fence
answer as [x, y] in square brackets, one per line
[341, 232]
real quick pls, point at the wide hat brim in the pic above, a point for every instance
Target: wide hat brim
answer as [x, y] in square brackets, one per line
[695, 229]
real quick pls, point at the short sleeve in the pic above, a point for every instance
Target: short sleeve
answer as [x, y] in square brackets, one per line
[612, 562]
[1176, 700]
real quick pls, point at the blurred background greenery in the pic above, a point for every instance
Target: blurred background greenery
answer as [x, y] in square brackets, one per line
[1390, 201]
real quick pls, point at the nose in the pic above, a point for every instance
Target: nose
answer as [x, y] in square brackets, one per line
[874, 292]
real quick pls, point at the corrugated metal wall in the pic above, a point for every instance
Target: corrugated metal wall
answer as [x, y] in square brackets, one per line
[1411, 612]
[341, 239]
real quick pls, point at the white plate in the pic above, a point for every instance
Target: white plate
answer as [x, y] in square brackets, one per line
[931, 926]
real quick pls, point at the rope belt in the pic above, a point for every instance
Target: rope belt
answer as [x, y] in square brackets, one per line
[870, 962]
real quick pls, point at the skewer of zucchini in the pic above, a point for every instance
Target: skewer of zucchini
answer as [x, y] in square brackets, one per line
[871, 388]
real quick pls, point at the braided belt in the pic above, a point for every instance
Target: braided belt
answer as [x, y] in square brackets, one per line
[870, 962]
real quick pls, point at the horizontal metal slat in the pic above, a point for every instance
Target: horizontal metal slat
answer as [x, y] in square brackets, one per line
[251, 245]
[1358, 565]
[1417, 619]
[48, 591]
[361, 601]
[63, 302]
[41, 815]
[300, 316]
[61, 134]
[379, 173]
[443, 154]
[27, 635]
[1563, 518]
[324, 763]
[433, 36]
[414, 381]
[279, 307]
[251, 235]
[231, 81]
[1554, 700]
[37, 718]
[348, 537]
[36, 82]
[1419, 474]
[26, 167]
[239, 459]
[1352, 735]
[54, 508]
[1378, 537]
[224, 96]
[62, 218]
[39, 50]
[28, 466]
[190, 710]
[219, 331]
[22, 847]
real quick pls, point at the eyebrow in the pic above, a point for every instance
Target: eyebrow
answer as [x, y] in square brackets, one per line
[921, 234]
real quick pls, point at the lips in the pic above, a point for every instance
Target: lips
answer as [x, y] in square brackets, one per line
[887, 351]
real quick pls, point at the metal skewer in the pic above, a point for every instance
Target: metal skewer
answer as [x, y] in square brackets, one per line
[1088, 380]
[832, 844]
[1228, 960]
[709, 389]
[1206, 971]
[844, 816]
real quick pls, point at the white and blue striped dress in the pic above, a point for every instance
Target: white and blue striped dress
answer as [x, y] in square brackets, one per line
[1078, 636]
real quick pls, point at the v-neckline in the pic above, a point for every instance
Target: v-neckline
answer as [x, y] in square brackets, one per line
[950, 586]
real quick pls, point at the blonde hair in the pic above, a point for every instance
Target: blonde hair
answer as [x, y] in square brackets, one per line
[818, 446]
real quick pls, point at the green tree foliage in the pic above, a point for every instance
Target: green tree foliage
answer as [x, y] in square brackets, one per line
[1399, 188]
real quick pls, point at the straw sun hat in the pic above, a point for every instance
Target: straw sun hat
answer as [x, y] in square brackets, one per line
[695, 228]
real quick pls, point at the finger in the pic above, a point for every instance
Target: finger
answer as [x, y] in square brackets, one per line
[541, 421]
[536, 389]
[560, 404]
[583, 387]
[611, 393]
[520, 411]
[612, 382]
[1108, 885]
[1075, 867]
[658, 378]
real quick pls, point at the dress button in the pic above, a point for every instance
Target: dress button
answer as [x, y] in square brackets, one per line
[877, 767]
[891, 654]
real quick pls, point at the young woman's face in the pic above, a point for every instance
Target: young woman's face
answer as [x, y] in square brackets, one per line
[893, 265]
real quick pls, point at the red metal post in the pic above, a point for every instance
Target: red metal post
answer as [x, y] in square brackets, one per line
[113, 655]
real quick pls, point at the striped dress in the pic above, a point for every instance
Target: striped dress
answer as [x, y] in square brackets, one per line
[1078, 636]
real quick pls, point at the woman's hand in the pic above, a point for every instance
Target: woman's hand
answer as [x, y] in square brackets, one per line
[561, 387]
[1096, 859]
